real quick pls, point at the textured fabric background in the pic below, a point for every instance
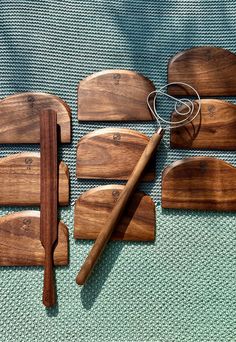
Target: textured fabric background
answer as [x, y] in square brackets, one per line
[181, 288]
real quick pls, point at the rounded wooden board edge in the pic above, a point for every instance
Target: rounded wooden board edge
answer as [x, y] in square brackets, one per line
[180, 162]
[62, 228]
[118, 71]
[20, 155]
[24, 155]
[179, 54]
[112, 187]
[110, 130]
[63, 103]
[28, 93]
[113, 71]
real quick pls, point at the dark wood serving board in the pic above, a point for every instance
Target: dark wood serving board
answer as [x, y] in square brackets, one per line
[20, 180]
[19, 117]
[213, 128]
[210, 70]
[93, 208]
[114, 95]
[20, 241]
[111, 153]
[203, 183]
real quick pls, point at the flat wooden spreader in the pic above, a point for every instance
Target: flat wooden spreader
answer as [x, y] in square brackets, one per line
[112, 153]
[213, 128]
[202, 183]
[210, 70]
[114, 95]
[20, 180]
[19, 117]
[20, 243]
[93, 208]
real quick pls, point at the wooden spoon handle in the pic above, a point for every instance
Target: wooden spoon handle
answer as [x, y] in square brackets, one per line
[49, 292]
[118, 209]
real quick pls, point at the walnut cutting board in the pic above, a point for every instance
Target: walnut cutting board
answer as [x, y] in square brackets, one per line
[20, 240]
[114, 95]
[93, 208]
[20, 180]
[202, 183]
[210, 70]
[19, 117]
[213, 128]
[111, 153]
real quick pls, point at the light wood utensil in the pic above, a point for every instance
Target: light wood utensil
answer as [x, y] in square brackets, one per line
[117, 211]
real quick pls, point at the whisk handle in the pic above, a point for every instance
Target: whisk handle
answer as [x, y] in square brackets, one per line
[118, 209]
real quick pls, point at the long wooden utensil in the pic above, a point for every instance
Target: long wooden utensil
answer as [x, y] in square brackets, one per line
[105, 234]
[48, 194]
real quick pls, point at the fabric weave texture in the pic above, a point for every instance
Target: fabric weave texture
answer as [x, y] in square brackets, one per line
[182, 287]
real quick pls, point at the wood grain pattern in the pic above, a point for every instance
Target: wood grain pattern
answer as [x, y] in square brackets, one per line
[20, 243]
[48, 199]
[19, 117]
[93, 208]
[210, 70]
[20, 180]
[202, 183]
[114, 95]
[119, 208]
[112, 153]
[213, 128]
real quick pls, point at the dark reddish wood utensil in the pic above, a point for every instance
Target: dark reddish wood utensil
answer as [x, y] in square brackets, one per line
[48, 194]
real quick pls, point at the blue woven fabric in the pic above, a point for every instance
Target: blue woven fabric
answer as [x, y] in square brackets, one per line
[182, 287]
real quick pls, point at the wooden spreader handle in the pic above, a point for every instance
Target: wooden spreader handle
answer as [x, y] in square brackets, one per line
[118, 209]
[48, 199]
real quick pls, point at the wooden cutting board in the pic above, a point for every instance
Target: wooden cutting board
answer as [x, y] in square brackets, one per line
[19, 117]
[111, 153]
[20, 180]
[93, 208]
[213, 128]
[114, 95]
[210, 70]
[20, 240]
[202, 183]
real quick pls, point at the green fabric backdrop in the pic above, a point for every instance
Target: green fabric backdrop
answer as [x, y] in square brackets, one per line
[181, 288]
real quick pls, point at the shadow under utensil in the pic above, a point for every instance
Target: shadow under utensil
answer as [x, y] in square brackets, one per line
[92, 288]
[95, 282]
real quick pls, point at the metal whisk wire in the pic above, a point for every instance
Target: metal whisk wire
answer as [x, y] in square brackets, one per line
[188, 115]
